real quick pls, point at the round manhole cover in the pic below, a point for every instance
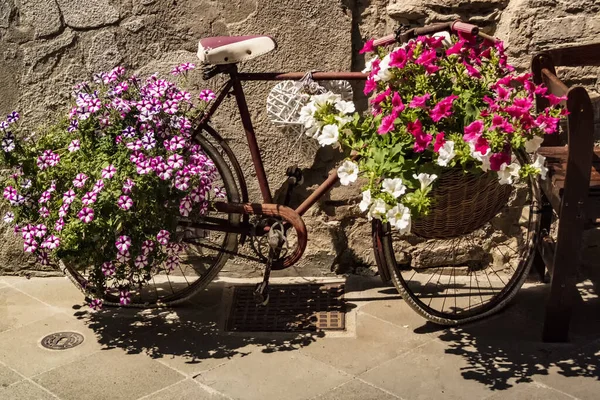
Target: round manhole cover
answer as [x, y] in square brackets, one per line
[62, 340]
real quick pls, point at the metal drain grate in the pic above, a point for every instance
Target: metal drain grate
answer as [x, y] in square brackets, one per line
[291, 308]
[62, 340]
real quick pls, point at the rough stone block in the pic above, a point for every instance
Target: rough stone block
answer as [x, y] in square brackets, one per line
[43, 15]
[86, 14]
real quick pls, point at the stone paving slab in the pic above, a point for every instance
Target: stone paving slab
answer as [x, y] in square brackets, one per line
[108, 374]
[8, 376]
[185, 390]
[356, 390]
[21, 349]
[531, 391]
[25, 390]
[276, 375]
[376, 341]
[58, 291]
[18, 309]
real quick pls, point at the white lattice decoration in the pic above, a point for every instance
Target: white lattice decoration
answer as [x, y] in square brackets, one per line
[287, 98]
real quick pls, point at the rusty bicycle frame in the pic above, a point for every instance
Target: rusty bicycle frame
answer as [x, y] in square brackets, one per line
[291, 216]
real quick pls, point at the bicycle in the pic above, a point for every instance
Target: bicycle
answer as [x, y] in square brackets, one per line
[270, 227]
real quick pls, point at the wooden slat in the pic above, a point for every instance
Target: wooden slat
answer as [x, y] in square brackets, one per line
[577, 56]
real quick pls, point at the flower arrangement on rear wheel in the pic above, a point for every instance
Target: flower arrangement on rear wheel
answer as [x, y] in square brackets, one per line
[104, 187]
[447, 115]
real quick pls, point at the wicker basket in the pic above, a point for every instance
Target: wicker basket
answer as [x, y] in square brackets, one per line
[462, 203]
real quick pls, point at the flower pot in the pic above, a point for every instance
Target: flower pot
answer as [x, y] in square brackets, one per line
[462, 203]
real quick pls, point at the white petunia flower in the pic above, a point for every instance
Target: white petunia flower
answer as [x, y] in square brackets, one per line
[314, 130]
[306, 115]
[366, 200]
[446, 153]
[395, 187]
[329, 135]
[348, 172]
[322, 99]
[425, 179]
[345, 107]
[532, 145]
[484, 158]
[399, 218]
[384, 73]
[344, 120]
[377, 210]
[508, 173]
[539, 164]
[369, 65]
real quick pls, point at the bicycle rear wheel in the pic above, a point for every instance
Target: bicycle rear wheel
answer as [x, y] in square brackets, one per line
[462, 279]
[206, 253]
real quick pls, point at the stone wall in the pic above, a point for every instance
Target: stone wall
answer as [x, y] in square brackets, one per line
[48, 45]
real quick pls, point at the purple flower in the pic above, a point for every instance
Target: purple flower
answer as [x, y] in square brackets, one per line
[128, 185]
[26, 183]
[51, 242]
[79, 180]
[185, 206]
[98, 186]
[140, 261]
[172, 262]
[4, 125]
[182, 183]
[10, 193]
[9, 217]
[163, 237]
[220, 193]
[175, 143]
[28, 232]
[42, 257]
[68, 196]
[59, 225]
[44, 212]
[123, 243]
[143, 167]
[473, 131]
[30, 245]
[63, 210]
[8, 143]
[109, 171]
[443, 108]
[207, 95]
[129, 132]
[86, 214]
[125, 202]
[175, 161]
[164, 172]
[45, 197]
[124, 297]
[73, 126]
[147, 246]
[123, 257]
[74, 145]
[40, 230]
[135, 145]
[197, 194]
[148, 141]
[108, 268]
[173, 249]
[89, 198]
[171, 107]
[12, 117]
[96, 304]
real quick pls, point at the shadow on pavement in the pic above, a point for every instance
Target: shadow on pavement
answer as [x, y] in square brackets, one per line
[507, 349]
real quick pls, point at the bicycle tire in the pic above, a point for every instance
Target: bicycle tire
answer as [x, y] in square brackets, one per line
[417, 300]
[229, 247]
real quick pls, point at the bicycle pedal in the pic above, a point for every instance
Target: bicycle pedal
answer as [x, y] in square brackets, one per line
[261, 293]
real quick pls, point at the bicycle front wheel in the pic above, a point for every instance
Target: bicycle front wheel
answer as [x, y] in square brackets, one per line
[207, 251]
[462, 279]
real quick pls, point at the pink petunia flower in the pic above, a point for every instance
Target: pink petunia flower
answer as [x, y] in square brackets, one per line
[439, 141]
[63, 210]
[10, 193]
[172, 262]
[163, 237]
[398, 58]
[124, 297]
[51, 242]
[42, 257]
[68, 196]
[74, 146]
[147, 247]
[125, 202]
[473, 131]
[185, 206]
[9, 217]
[96, 304]
[109, 171]
[89, 198]
[128, 185]
[420, 101]
[370, 85]
[207, 95]
[175, 161]
[123, 257]
[40, 230]
[443, 108]
[368, 47]
[123, 243]
[80, 180]
[30, 245]
[422, 140]
[140, 261]
[59, 225]
[44, 212]
[108, 268]
[98, 186]
[86, 215]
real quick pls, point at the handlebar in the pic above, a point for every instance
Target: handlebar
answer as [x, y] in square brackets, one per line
[403, 37]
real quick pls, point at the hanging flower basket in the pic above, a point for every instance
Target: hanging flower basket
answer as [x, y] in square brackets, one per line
[437, 144]
[461, 203]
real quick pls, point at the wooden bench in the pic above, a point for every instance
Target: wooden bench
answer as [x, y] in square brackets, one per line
[572, 188]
